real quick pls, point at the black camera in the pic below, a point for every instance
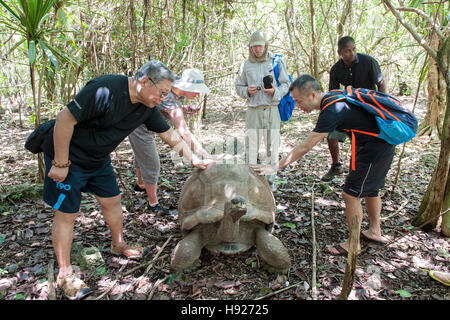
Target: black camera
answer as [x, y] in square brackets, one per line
[268, 80]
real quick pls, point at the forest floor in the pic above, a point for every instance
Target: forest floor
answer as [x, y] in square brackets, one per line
[390, 272]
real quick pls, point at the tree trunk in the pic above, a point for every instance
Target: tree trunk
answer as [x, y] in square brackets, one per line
[314, 57]
[434, 197]
[433, 201]
[132, 20]
[436, 93]
[445, 226]
[350, 266]
[345, 12]
[37, 121]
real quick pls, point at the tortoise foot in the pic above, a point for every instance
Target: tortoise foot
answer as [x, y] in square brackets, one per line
[185, 256]
[273, 253]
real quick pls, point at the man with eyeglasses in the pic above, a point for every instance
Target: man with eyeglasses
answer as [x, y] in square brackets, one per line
[77, 160]
[146, 158]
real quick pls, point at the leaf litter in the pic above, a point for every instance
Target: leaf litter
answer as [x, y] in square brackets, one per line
[395, 271]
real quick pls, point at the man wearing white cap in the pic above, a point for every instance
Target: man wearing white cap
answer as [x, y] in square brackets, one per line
[146, 158]
[262, 116]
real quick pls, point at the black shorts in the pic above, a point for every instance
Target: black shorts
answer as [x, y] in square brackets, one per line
[66, 196]
[373, 161]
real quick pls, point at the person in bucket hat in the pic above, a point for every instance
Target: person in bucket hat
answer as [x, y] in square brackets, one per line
[192, 80]
[146, 158]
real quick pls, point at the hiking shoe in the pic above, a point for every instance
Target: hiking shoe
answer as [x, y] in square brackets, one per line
[158, 209]
[139, 188]
[129, 252]
[73, 287]
[335, 170]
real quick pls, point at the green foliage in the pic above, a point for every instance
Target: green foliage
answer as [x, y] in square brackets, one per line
[72, 43]
[28, 18]
[11, 194]
[404, 293]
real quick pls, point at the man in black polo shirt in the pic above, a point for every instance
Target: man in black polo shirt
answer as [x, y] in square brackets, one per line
[359, 71]
[77, 160]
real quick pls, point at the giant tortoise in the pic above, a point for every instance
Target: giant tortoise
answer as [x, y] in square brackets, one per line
[228, 209]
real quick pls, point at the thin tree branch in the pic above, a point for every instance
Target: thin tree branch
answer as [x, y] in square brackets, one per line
[427, 18]
[411, 30]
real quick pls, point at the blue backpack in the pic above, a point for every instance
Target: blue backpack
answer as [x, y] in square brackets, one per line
[287, 104]
[397, 125]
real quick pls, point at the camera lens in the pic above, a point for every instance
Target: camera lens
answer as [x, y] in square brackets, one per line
[258, 88]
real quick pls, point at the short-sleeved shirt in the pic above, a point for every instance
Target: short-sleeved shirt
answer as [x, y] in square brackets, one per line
[365, 72]
[342, 115]
[105, 116]
[171, 102]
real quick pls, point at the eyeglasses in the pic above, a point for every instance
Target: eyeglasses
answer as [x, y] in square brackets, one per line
[162, 95]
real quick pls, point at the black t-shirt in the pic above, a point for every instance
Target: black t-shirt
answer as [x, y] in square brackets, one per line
[105, 116]
[342, 115]
[365, 72]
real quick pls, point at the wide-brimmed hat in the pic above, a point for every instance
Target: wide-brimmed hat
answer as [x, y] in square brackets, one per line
[257, 38]
[192, 80]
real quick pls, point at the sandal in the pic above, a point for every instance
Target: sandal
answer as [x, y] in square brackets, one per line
[130, 252]
[73, 287]
[378, 242]
[338, 250]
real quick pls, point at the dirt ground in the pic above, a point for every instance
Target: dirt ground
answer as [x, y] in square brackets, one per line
[391, 272]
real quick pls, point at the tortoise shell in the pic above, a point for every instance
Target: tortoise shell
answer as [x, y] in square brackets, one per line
[205, 192]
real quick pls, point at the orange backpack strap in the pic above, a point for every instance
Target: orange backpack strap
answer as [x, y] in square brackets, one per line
[353, 151]
[333, 98]
[353, 164]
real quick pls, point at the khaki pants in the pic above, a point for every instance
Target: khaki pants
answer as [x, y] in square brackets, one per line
[146, 155]
[262, 122]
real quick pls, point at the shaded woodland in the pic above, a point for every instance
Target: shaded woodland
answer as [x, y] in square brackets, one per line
[49, 51]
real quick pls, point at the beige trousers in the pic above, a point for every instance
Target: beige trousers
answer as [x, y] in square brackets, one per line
[262, 122]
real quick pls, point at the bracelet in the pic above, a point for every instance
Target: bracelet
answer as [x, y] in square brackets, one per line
[66, 165]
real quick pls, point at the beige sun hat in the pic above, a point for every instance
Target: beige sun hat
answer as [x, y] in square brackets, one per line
[257, 38]
[192, 80]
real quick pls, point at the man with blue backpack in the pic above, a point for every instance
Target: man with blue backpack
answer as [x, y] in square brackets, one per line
[375, 122]
[255, 83]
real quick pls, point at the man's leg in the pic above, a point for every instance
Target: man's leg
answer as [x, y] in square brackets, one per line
[151, 189]
[333, 147]
[62, 236]
[139, 186]
[373, 206]
[112, 212]
[273, 135]
[352, 208]
[336, 166]
[153, 202]
[252, 135]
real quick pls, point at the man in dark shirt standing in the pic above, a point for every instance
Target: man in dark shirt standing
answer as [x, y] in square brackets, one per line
[359, 71]
[77, 160]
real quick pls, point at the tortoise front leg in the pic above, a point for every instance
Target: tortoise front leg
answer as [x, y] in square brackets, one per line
[185, 256]
[272, 251]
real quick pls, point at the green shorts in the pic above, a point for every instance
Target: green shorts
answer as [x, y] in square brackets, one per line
[337, 135]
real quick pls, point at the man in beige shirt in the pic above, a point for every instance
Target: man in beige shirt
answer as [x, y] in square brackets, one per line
[262, 117]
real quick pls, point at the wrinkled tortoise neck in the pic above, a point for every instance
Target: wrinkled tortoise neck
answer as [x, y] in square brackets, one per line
[234, 209]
